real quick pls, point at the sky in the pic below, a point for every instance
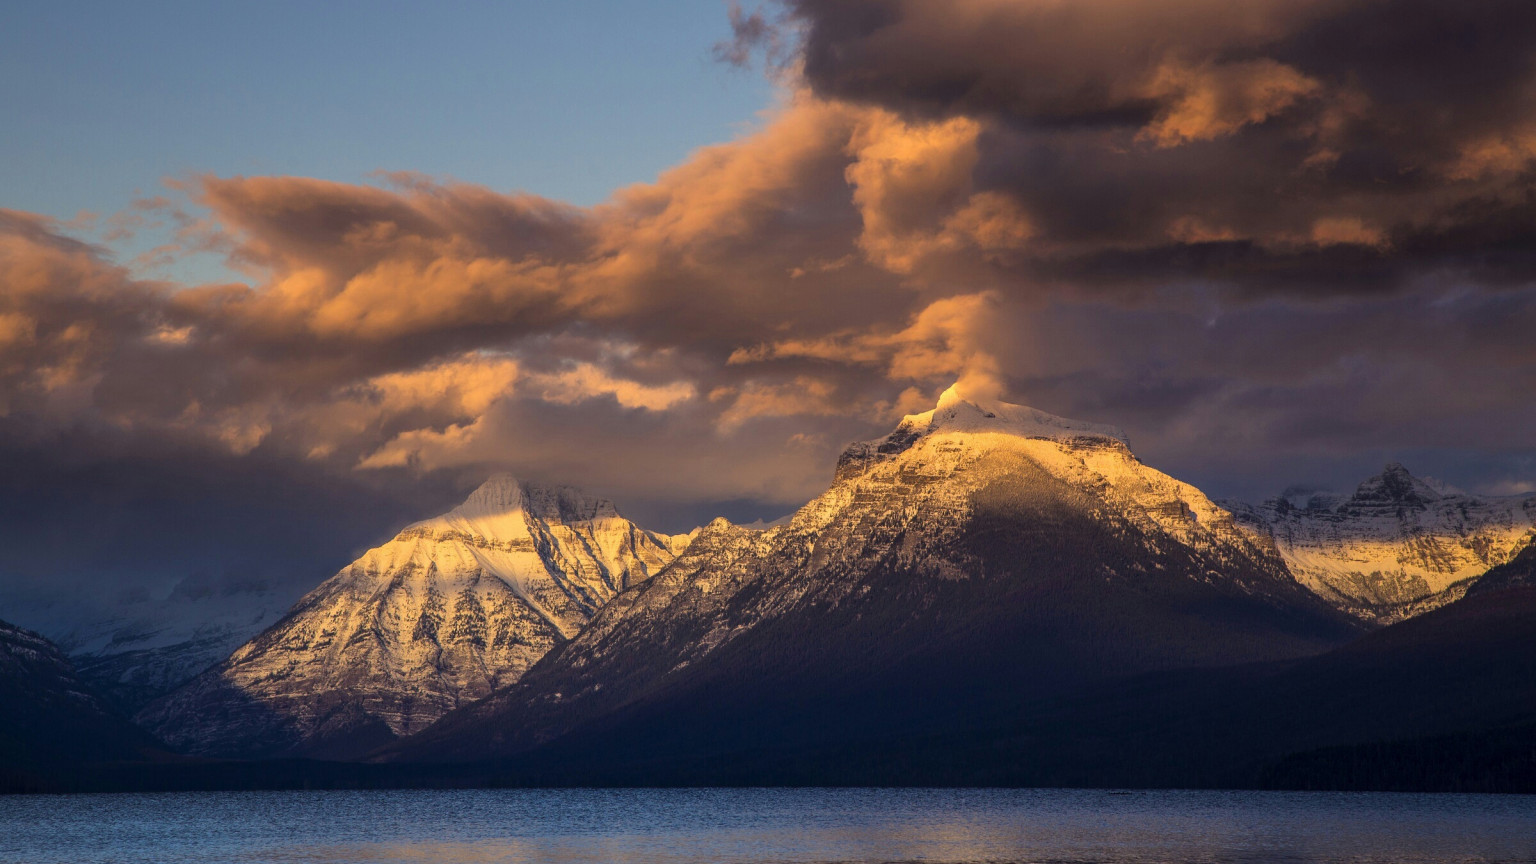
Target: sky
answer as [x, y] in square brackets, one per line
[681, 254]
[104, 101]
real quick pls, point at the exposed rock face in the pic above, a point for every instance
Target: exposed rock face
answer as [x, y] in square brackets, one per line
[1398, 547]
[978, 553]
[447, 611]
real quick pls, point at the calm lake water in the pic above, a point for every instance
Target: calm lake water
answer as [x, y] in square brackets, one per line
[766, 825]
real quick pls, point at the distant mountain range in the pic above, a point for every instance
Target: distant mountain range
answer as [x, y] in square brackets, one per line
[136, 657]
[988, 594]
[1398, 547]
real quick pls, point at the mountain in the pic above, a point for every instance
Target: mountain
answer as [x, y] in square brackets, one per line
[980, 556]
[1443, 701]
[450, 609]
[51, 716]
[1397, 547]
[1518, 571]
[129, 570]
[135, 643]
[151, 648]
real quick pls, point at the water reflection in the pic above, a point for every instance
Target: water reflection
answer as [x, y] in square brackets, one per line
[695, 826]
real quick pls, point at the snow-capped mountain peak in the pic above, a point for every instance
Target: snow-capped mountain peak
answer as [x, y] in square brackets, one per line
[964, 414]
[1400, 545]
[449, 609]
[960, 412]
[501, 509]
[1395, 486]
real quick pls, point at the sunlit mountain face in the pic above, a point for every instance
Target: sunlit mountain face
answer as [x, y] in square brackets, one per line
[441, 615]
[561, 341]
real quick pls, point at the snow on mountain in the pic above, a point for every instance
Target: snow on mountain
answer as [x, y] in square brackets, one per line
[448, 610]
[979, 551]
[27, 655]
[1399, 546]
[1519, 571]
[954, 414]
[957, 435]
[151, 647]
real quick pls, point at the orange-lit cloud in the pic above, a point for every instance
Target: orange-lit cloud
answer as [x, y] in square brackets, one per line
[1246, 216]
[1214, 100]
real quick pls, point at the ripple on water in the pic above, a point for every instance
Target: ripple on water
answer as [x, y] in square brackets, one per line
[767, 825]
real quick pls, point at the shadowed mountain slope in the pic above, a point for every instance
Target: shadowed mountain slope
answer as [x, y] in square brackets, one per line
[49, 717]
[1442, 702]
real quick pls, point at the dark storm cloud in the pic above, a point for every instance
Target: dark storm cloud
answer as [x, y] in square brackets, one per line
[92, 521]
[1322, 147]
[1242, 401]
[1098, 62]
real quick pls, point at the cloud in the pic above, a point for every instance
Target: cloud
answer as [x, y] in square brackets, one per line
[584, 381]
[948, 340]
[751, 33]
[425, 449]
[802, 397]
[1200, 141]
[1268, 234]
[1094, 62]
[912, 184]
[1215, 100]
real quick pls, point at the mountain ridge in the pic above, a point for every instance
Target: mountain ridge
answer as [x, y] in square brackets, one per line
[962, 536]
[1397, 547]
[437, 616]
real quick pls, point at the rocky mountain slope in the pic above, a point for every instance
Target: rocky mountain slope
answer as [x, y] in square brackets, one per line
[50, 716]
[1398, 547]
[1518, 572]
[450, 609]
[979, 555]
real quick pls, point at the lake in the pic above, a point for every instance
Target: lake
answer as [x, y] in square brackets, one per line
[753, 825]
